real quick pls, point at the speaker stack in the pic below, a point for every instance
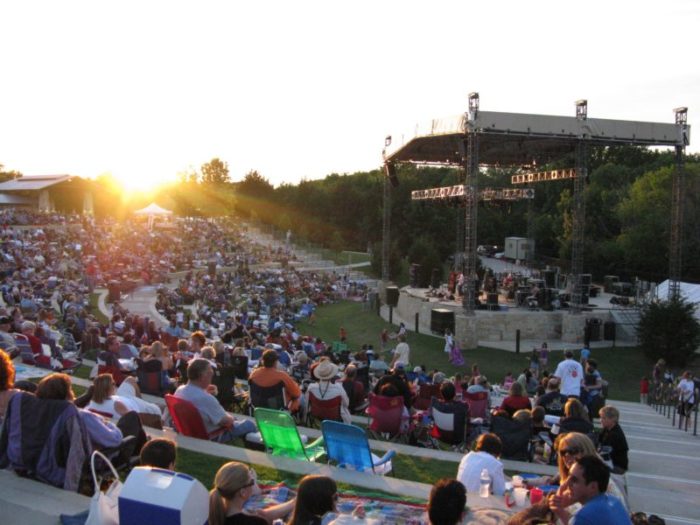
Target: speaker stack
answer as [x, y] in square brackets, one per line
[442, 319]
[392, 296]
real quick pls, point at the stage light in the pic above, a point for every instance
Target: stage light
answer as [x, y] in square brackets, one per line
[387, 141]
[582, 109]
[681, 115]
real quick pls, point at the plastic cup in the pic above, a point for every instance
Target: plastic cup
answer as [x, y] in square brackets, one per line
[536, 495]
[517, 481]
[520, 494]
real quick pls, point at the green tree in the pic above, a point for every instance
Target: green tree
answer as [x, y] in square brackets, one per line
[424, 253]
[6, 175]
[215, 172]
[670, 331]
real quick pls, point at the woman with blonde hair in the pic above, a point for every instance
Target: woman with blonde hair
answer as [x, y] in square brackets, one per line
[160, 352]
[575, 418]
[107, 399]
[234, 484]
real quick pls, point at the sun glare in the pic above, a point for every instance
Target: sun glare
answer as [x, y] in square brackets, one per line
[135, 182]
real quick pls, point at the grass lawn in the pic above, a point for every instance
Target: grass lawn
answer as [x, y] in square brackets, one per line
[95, 309]
[621, 367]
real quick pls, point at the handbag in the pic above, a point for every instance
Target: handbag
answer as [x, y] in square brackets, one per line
[104, 506]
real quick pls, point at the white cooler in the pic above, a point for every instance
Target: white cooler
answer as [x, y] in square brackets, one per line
[153, 495]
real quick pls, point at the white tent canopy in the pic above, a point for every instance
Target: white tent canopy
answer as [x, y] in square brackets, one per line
[689, 291]
[153, 210]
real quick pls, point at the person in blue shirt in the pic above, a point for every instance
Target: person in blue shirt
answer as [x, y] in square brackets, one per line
[587, 483]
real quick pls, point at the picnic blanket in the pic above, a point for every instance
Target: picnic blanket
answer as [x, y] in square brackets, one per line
[377, 509]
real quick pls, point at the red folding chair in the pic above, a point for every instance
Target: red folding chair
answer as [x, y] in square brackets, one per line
[478, 404]
[425, 396]
[386, 417]
[323, 409]
[187, 419]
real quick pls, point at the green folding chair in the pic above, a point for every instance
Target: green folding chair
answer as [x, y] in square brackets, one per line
[339, 346]
[281, 437]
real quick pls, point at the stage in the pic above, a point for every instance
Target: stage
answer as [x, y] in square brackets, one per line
[498, 326]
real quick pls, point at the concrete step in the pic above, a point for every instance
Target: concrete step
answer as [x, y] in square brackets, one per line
[682, 507]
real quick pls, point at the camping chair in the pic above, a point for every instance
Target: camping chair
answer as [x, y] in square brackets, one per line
[150, 376]
[225, 381]
[339, 346]
[187, 419]
[478, 404]
[347, 445]
[323, 409]
[271, 397]
[386, 417]
[281, 436]
[45, 439]
[25, 349]
[515, 438]
[425, 396]
[239, 363]
[450, 424]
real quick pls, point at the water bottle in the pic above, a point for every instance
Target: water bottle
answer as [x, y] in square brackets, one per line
[485, 484]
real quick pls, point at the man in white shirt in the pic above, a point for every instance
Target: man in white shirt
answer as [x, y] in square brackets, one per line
[570, 374]
[401, 353]
[488, 449]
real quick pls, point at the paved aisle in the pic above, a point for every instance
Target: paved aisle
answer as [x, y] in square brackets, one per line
[664, 476]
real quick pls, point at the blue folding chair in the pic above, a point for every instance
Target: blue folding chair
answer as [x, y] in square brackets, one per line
[347, 445]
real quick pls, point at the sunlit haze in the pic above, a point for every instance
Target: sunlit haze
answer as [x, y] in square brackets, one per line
[144, 90]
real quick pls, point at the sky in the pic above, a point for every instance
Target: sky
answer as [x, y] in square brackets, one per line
[302, 89]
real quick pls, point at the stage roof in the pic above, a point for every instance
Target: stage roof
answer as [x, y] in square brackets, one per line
[517, 139]
[34, 182]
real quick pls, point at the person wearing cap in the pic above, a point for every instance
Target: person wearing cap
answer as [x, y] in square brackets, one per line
[570, 374]
[7, 342]
[327, 388]
[270, 375]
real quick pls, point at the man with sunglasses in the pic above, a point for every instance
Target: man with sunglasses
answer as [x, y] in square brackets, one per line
[587, 483]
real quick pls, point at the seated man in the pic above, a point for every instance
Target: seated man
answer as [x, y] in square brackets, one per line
[159, 453]
[587, 484]
[200, 392]
[612, 436]
[460, 412]
[485, 456]
[269, 375]
[552, 401]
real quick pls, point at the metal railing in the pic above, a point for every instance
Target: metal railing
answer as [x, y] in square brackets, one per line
[663, 398]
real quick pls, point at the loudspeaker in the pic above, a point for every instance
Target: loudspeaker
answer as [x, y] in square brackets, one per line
[586, 279]
[442, 319]
[609, 331]
[390, 170]
[392, 296]
[550, 278]
[435, 278]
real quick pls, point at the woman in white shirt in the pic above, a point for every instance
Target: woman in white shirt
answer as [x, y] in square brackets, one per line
[106, 399]
[325, 371]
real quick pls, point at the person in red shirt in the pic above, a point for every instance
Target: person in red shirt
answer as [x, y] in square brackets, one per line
[516, 400]
[643, 390]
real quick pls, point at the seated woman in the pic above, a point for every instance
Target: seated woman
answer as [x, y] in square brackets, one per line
[327, 388]
[570, 447]
[160, 352]
[103, 434]
[107, 399]
[316, 497]
[7, 379]
[516, 400]
[234, 484]
[575, 418]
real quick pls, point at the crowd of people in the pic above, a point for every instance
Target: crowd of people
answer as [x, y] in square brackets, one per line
[250, 307]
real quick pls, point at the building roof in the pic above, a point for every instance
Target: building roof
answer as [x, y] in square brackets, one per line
[34, 182]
